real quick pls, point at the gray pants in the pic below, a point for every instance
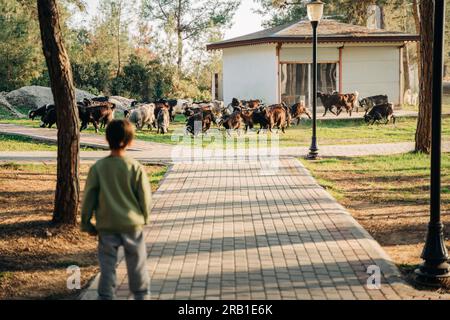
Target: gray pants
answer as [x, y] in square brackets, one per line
[136, 260]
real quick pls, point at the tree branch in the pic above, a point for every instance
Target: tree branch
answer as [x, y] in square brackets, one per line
[162, 10]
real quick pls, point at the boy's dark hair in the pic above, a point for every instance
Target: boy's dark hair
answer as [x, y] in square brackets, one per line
[119, 134]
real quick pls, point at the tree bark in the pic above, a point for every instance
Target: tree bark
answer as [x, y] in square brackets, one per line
[119, 21]
[9, 72]
[416, 16]
[423, 132]
[406, 74]
[382, 17]
[180, 52]
[60, 72]
[179, 39]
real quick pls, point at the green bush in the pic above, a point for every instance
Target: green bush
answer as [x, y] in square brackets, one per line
[143, 81]
[92, 76]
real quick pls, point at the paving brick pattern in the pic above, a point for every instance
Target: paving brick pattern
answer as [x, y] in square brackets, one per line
[231, 230]
[242, 229]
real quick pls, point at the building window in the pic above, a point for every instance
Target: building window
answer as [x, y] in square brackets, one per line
[326, 77]
[296, 81]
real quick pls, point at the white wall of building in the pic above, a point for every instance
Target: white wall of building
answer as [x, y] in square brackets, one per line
[250, 72]
[304, 54]
[372, 71]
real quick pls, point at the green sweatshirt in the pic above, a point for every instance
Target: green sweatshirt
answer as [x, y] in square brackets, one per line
[118, 192]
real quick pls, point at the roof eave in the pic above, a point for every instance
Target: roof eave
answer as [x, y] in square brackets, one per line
[322, 39]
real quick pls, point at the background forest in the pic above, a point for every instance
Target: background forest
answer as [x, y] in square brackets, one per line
[147, 49]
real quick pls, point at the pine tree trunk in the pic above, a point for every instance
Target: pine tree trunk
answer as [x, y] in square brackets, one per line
[119, 59]
[406, 73]
[423, 132]
[180, 52]
[416, 16]
[179, 40]
[406, 60]
[59, 69]
[382, 18]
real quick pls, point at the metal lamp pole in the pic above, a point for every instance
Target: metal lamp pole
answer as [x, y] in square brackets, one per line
[435, 255]
[315, 12]
[314, 150]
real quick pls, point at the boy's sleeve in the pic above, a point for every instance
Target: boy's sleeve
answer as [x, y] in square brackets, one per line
[144, 193]
[90, 201]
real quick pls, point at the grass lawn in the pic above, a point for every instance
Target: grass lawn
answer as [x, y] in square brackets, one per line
[34, 254]
[330, 132]
[445, 105]
[389, 197]
[4, 113]
[21, 143]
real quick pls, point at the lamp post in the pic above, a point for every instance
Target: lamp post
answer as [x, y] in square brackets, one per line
[315, 12]
[435, 255]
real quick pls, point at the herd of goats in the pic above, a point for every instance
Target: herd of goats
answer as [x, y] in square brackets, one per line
[200, 116]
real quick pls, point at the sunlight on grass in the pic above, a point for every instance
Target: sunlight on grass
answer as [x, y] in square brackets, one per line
[33, 167]
[21, 143]
[5, 275]
[156, 174]
[398, 178]
[330, 132]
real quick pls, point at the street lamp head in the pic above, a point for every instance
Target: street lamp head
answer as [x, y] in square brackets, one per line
[315, 10]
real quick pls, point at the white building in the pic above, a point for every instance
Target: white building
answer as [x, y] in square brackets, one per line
[274, 64]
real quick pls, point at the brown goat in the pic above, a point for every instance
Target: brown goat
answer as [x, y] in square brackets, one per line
[253, 104]
[340, 101]
[247, 118]
[297, 110]
[278, 117]
[96, 114]
[233, 122]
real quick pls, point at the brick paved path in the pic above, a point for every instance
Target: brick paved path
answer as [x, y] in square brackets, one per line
[240, 229]
[224, 230]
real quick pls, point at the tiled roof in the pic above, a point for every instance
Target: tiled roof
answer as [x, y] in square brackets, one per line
[328, 31]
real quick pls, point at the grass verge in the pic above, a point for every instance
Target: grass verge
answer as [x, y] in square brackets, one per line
[389, 196]
[21, 143]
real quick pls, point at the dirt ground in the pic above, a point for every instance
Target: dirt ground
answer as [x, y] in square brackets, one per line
[401, 231]
[34, 256]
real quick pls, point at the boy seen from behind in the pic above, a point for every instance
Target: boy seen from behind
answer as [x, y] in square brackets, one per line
[118, 194]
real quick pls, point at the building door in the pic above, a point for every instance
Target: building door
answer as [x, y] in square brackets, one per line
[296, 81]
